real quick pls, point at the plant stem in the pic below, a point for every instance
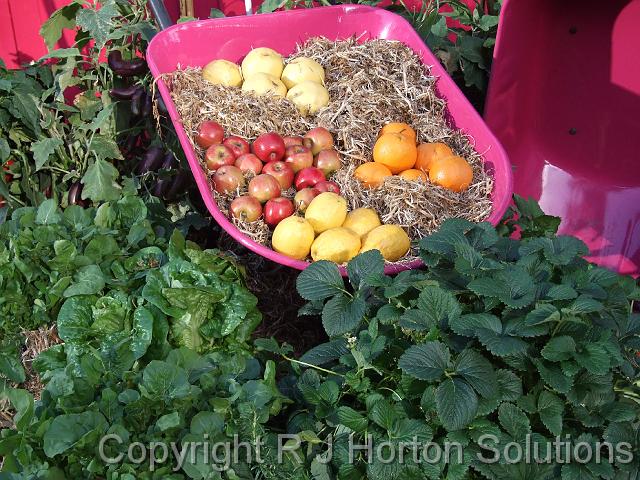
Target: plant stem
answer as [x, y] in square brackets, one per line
[292, 360]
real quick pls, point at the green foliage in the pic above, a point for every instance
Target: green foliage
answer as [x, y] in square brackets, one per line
[176, 396]
[51, 141]
[521, 339]
[462, 36]
[500, 341]
[111, 280]
[49, 144]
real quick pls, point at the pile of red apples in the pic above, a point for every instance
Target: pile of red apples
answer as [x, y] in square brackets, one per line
[267, 169]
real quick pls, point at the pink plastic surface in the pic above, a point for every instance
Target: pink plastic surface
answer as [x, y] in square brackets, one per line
[564, 100]
[197, 43]
[20, 22]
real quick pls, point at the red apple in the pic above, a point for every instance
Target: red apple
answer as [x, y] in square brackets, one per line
[269, 147]
[209, 133]
[308, 177]
[298, 156]
[328, 161]
[264, 187]
[228, 179]
[218, 156]
[318, 139]
[238, 145]
[249, 163]
[303, 198]
[276, 210]
[292, 140]
[246, 208]
[328, 186]
[280, 171]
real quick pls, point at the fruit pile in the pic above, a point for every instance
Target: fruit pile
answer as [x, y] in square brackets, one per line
[396, 152]
[263, 72]
[285, 183]
[391, 155]
[329, 232]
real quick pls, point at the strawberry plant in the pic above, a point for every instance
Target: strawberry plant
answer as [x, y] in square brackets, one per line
[499, 341]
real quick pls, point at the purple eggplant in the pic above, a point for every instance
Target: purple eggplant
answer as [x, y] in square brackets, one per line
[169, 161]
[150, 161]
[126, 68]
[147, 105]
[162, 107]
[161, 187]
[178, 186]
[137, 101]
[74, 196]
[123, 93]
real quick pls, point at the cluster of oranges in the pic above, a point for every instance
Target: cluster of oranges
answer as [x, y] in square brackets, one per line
[396, 153]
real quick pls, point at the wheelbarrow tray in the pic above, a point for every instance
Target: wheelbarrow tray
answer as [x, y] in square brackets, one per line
[196, 43]
[564, 100]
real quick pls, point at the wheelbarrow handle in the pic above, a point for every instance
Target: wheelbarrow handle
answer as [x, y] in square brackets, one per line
[159, 11]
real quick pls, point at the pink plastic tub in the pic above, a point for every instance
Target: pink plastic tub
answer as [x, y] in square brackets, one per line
[564, 100]
[197, 43]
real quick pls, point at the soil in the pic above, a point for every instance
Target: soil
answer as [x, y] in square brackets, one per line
[275, 287]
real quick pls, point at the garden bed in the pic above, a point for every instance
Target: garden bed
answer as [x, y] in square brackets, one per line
[131, 323]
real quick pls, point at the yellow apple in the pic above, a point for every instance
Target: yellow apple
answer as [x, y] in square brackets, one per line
[300, 69]
[262, 60]
[309, 97]
[222, 72]
[264, 84]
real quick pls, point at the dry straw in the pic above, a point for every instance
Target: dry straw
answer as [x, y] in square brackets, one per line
[35, 342]
[370, 84]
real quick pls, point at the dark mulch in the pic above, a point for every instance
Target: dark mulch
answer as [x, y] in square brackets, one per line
[275, 287]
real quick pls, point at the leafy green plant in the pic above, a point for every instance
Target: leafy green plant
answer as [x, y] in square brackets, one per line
[500, 341]
[174, 396]
[49, 254]
[462, 34]
[47, 144]
[71, 121]
[123, 293]
[519, 339]
[112, 276]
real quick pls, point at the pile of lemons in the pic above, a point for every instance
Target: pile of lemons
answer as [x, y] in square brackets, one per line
[264, 72]
[329, 232]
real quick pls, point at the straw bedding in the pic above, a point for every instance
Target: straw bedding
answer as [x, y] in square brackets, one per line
[35, 342]
[370, 84]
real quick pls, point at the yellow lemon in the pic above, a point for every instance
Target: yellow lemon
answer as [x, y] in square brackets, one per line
[362, 221]
[392, 241]
[222, 72]
[327, 210]
[293, 237]
[337, 245]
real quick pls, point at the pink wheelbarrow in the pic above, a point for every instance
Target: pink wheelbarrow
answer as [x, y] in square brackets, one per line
[197, 43]
[564, 100]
